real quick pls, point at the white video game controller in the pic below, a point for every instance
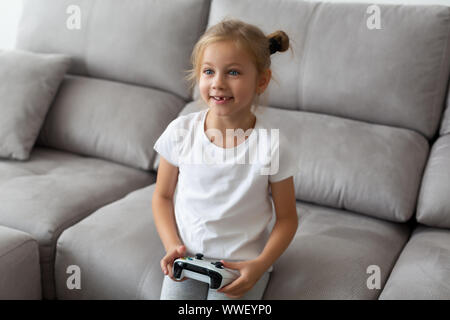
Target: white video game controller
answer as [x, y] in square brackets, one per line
[211, 272]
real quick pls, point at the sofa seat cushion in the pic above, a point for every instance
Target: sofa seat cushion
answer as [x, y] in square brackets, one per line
[55, 189]
[327, 259]
[351, 165]
[117, 250]
[434, 202]
[332, 253]
[19, 266]
[423, 269]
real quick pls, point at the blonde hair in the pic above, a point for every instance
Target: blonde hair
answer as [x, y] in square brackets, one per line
[245, 36]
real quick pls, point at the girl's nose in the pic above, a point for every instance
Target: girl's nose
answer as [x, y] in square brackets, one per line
[218, 82]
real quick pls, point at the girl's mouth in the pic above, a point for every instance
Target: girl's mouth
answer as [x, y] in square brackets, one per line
[221, 100]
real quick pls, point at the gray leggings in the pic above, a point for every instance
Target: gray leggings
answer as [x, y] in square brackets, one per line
[196, 290]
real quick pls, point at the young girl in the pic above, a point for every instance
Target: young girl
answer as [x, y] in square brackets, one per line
[223, 208]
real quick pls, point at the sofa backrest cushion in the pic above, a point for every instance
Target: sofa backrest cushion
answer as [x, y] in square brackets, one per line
[140, 42]
[352, 165]
[395, 75]
[108, 120]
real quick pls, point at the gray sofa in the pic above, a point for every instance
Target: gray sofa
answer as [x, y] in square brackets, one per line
[366, 108]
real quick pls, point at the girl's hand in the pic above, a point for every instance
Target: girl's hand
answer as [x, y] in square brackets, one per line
[251, 271]
[167, 261]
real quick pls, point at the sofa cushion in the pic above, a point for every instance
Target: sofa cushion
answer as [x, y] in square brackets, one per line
[333, 256]
[117, 249]
[29, 81]
[396, 75]
[19, 266]
[329, 255]
[351, 165]
[108, 120]
[433, 206]
[130, 41]
[54, 190]
[422, 270]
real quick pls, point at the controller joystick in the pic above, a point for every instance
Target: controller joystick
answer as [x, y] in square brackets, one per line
[198, 256]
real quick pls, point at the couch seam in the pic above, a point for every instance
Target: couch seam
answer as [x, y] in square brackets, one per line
[396, 259]
[54, 244]
[19, 246]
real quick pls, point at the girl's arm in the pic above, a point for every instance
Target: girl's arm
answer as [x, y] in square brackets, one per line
[283, 195]
[164, 215]
[162, 204]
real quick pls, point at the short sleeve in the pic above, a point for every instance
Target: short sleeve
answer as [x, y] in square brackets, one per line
[167, 146]
[284, 161]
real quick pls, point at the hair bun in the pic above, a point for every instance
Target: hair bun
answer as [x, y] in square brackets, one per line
[278, 41]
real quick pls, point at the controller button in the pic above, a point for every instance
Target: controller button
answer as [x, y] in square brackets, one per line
[218, 264]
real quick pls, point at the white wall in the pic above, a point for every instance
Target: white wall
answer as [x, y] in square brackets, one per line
[10, 11]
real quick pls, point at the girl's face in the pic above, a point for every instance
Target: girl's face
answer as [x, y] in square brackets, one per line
[228, 79]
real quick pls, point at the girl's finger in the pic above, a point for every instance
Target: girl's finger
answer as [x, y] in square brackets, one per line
[169, 267]
[233, 286]
[163, 266]
[231, 265]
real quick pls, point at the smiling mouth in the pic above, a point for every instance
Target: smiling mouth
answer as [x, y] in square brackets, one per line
[217, 98]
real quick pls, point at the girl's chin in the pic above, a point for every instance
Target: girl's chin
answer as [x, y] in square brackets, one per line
[225, 109]
[221, 109]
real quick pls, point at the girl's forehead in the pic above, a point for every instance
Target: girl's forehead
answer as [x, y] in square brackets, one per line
[225, 53]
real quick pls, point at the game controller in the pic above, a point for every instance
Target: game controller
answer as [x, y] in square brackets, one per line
[211, 272]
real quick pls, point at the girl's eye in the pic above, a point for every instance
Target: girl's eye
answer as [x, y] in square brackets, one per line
[210, 72]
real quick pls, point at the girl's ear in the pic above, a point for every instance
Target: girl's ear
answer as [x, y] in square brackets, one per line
[263, 81]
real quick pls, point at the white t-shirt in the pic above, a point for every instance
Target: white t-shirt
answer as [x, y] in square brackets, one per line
[222, 204]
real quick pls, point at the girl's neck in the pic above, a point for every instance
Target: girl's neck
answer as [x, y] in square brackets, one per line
[244, 121]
